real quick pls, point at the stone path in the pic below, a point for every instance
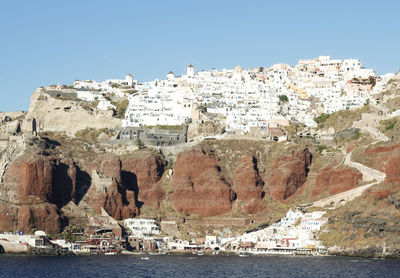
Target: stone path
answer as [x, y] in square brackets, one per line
[370, 175]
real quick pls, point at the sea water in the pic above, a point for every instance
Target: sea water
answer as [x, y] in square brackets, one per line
[195, 266]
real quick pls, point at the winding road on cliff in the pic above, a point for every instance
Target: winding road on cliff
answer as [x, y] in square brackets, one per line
[369, 175]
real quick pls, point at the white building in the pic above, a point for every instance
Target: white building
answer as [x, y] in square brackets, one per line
[190, 71]
[142, 227]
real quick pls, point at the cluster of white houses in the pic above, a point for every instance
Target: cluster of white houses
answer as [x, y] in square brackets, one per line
[254, 98]
[294, 233]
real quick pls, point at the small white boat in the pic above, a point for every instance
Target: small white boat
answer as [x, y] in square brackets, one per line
[144, 258]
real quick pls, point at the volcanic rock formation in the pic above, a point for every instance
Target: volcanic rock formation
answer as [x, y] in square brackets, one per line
[199, 187]
[336, 179]
[248, 185]
[288, 173]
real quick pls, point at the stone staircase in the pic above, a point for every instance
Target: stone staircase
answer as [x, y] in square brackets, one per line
[75, 215]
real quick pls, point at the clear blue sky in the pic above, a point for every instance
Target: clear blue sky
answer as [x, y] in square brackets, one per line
[50, 42]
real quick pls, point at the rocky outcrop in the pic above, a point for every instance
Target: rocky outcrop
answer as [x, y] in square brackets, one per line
[288, 173]
[336, 179]
[28, 217]
[198, 185]
[385, 158]
[108, 191]
[41, 181]
[248, 185]
[366, 252]
[45, 217]
[67, 115]
[392, 167]
[34, 187]
[141, 173]
[122, 187]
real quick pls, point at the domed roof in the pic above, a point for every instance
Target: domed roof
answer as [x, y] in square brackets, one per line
[190, 66]
[170, 72]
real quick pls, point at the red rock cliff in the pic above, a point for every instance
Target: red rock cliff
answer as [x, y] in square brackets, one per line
[288, 173]
[248, 185]
[33, 184]
[392, 166]
[108, 191]
[199, 187]
[142, 172]
[336, 179]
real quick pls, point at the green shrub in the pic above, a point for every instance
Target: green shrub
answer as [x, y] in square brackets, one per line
[90, 134]
[120, 108]
[167, 127]
[391, 125]
[321, 118]
[283, 98]
[357, 135]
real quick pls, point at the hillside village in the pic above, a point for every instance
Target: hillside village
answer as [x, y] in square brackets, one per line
[256, 103]
[247, 100]
[190, 164]
[293, 234]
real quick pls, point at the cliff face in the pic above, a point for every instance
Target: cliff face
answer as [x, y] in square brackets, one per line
[35, 186]
[385, 158]
[336, 179]
[67, 115]
[369, 222]
[107, 189]
[248, 185]
[392, 167]
[41, 181]
[366, 222]
[206, 186]
[122, 187]
[198, 185]
[289, 173]
[142, 173]
[207, 181]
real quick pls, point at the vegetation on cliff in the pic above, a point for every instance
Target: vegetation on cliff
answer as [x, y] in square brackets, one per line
[341, 119]
[120, 109]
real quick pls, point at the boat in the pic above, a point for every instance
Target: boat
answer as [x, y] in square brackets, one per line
[144, 258]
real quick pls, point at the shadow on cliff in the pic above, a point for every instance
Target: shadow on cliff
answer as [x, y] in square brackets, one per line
[62, 186]
[83, 182]
[50, 143]
[66, 188]
[130, 183]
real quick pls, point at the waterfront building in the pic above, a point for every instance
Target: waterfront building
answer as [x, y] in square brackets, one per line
[140, 227]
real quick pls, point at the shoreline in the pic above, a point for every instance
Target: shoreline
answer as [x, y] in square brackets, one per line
[145, 255]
